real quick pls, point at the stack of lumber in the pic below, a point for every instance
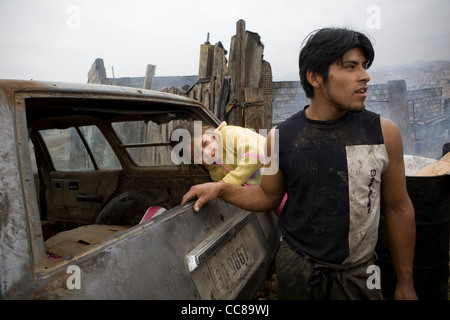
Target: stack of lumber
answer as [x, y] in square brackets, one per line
[439, 167]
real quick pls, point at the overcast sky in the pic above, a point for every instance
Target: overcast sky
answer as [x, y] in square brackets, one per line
[58, 40]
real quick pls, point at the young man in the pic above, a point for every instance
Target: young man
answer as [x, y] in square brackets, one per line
[338, 163]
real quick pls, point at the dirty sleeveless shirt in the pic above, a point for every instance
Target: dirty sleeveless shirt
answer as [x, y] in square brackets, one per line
[333, 171]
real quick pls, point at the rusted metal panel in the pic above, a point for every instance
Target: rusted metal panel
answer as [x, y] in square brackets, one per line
[15, 247]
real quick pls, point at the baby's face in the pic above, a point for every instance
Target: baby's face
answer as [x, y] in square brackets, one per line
[205, 149]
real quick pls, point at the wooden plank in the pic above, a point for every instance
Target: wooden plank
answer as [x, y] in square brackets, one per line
[398, 111]
[439, 167]
[266, 86]
[149, 76]
[223, 97]
[254, 111]
[206, 60]
[218, 74]
[236, 114]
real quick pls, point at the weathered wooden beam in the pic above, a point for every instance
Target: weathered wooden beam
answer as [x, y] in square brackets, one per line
[149, 76]
[254, 108]
[266, 85]
[205, 64]
[397, 110]
[239, 73]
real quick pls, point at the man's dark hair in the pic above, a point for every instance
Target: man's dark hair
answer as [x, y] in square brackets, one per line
[326, 46]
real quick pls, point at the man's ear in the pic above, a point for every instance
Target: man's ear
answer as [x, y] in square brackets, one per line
[314, 79]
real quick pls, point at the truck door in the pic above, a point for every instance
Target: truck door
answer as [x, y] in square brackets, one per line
[80, 172]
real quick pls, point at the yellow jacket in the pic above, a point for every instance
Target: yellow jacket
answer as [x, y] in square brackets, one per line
[241, 156]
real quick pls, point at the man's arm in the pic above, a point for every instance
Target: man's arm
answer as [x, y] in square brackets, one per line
[259, 197]
[399, 212]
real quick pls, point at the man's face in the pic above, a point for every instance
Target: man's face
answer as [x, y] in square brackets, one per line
[347, 82]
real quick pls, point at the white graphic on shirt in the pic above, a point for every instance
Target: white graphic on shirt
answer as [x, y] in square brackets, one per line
[366, 164]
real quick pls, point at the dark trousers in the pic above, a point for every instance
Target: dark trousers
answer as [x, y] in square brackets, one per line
[300, 278]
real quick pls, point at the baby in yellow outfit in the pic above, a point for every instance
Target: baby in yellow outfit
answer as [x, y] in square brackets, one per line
[231, 154]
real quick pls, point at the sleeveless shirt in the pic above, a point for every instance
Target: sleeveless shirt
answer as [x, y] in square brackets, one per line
[333, 172]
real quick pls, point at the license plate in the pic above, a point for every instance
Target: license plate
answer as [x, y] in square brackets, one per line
[230, 265]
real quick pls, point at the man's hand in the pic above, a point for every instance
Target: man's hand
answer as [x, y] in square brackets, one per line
[204, 193]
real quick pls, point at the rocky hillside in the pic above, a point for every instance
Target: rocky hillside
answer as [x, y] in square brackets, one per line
[421, 74]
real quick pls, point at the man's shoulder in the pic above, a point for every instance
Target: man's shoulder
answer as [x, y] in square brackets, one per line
[293, 119]
[368, 114]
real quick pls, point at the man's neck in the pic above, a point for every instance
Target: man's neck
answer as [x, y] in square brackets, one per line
[323, 112]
